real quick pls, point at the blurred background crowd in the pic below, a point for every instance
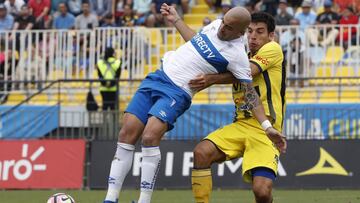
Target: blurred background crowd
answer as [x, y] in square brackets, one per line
[88, 14]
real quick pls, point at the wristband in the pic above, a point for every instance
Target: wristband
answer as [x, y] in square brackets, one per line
[266, 124]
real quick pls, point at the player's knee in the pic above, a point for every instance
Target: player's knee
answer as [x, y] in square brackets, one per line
[149, 139]
[123, 134]
[262, 193]
[127, 135]
[201, 156]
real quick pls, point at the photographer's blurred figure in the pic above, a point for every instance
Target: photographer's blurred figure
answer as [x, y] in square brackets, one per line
[109, 68]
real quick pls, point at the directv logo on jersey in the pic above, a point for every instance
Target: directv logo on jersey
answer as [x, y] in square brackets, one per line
[200, 42]
[208, 51]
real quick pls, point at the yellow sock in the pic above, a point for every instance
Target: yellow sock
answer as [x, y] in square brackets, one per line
[201, 182]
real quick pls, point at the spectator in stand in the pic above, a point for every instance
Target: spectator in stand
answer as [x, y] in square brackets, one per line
[328, 16]
[283, 17]
[64, 20]
[6, 20]
[341, 5]
[292, 43]
[101, 8]
[13, 7]
[86, 20]
[155, 10]
[225, 7]
[108, 21]
[40, 10]
[325, 35]
[55, 5]
[288, 36]
[25, 21]
[128, 19]
[142, 11]
[74, 7]
[119, 8]
[348, 33]
[306, 17]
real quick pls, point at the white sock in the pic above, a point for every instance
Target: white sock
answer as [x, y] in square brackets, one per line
[120, 167]
[150, 166]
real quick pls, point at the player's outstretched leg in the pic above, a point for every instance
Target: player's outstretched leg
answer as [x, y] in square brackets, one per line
[122, 162]
[151, 157]
[205, 153]
[262, 184]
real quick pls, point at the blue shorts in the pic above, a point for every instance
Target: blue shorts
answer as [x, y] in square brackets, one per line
[158, 96]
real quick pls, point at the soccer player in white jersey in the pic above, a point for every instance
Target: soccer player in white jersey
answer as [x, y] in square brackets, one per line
[165, 94]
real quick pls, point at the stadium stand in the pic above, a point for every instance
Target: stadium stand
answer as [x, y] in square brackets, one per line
[48, 73]
[333, 55]
[350, 96]
[67, 55]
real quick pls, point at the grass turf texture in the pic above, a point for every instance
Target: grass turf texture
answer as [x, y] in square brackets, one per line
[185, 196]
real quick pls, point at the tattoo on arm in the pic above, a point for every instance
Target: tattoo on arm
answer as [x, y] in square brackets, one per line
[251, 98]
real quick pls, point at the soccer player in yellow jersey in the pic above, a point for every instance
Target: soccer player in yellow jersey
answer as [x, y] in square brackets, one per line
[246, 137]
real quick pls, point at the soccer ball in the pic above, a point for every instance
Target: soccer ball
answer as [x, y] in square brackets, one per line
[61, 198]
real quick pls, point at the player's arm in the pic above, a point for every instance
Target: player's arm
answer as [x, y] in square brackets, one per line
[204, 81]
[169, 12]
[259, 63]
[253, 104]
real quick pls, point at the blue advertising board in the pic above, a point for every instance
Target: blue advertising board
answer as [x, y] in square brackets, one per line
[28, 121]
[302, 121]
[322, 121]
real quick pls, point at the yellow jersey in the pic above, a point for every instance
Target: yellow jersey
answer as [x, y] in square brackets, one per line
[269, 84]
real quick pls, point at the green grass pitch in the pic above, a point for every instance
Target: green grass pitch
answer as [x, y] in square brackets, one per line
[185, 196]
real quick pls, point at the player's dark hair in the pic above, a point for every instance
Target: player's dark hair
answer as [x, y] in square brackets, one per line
[262, 17]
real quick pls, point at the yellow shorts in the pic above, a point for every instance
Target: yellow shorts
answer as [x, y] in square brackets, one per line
[246, 139]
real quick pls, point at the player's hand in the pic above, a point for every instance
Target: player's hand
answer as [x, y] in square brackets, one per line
[200, 82]
[169, 12]
[277, 138]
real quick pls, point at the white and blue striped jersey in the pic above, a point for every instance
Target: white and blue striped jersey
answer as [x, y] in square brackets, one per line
[205, 53]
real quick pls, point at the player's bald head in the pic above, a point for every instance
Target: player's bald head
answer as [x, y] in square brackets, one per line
[235, 23]
[240, 16]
